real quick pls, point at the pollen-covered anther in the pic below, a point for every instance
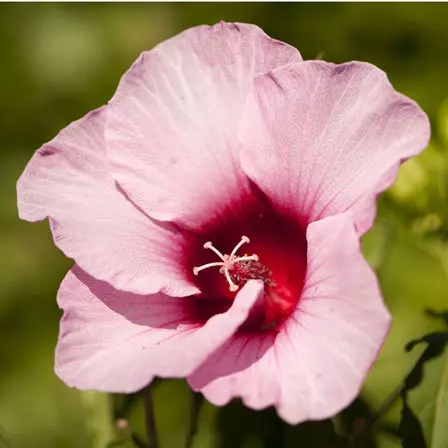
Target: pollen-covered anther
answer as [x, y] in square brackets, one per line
[228, 261]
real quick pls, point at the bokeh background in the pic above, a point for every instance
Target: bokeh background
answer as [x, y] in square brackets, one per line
[58, 61]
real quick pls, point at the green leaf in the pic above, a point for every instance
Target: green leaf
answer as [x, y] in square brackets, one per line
[98, 413]
[377, 243]
[438, 314]
[440, 427]
[433, 411]
[410, 429]
[420, 192]
[443, 122]
[436, 344]
[241, 427]
[425, 417]
[412, 280]
[118, 443]
[3, 441]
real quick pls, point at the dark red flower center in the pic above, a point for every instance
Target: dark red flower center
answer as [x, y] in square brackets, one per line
[223, 259]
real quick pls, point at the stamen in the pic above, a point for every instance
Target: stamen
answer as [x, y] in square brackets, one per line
[251, 258]
[209, 245]
[227, 261]
[232, 285]
[205, 266]
[244, 239]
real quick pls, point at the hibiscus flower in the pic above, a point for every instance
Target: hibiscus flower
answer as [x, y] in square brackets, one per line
[213, 210]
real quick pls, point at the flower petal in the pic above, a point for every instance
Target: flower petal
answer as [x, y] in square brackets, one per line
[172, 133]
[92, 221]
[315, 365]
[245, 367]
[117, 342]
[320, 139]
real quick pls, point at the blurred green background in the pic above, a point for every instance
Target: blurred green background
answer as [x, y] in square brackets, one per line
[58, 61]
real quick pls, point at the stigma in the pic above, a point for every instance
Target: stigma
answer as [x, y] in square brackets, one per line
[228, 262]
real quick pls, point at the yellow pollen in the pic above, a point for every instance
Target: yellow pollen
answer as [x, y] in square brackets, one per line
[227, 261]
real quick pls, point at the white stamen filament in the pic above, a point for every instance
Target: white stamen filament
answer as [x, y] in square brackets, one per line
[253, 257]
[244, 239]
[205, 266]
[209, 245]
[227, 261]
[232, 285]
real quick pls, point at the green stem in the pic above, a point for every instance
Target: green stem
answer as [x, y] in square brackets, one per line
[196, 401]
[151, 429]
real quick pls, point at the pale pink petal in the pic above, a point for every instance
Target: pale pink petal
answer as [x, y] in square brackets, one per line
[315, 365]
[92, 221]
[320, 139]
[245, 367]
[118, 342]
[172, 133]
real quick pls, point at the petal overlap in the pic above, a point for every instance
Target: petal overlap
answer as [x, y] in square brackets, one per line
[321, 139]
[316, 363]
[67, 180]
[115, 341]
[172, 133]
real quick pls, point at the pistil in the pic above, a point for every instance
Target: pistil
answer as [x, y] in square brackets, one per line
[227, 262]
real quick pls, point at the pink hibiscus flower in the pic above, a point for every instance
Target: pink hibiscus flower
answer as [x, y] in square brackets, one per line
[213, 210]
